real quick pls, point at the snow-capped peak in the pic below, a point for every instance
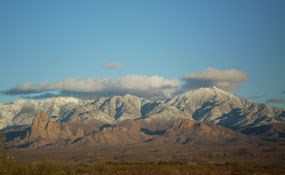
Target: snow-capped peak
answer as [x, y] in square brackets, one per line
[207, 90]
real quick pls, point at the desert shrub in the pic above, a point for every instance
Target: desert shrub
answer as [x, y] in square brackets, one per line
[8, 167]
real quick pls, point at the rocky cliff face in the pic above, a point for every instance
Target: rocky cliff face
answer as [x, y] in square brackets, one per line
[45, 132]
[43, 128]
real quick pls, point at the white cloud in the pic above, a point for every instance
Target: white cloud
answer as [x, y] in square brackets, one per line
[144, 86]
[135, 84]
[224, 79]
[112, 65]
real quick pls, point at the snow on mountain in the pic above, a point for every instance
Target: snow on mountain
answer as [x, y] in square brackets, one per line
[21, 112]
[205, 113]
[162, 111]
[217, 106]
[121, 107]
[108, 109]
[193, 100]
[211, 105]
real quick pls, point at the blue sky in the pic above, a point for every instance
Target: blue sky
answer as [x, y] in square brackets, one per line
[47, 43]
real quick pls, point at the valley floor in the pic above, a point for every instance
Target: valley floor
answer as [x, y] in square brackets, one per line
[267, 154]
[134, 168]
[193, 159]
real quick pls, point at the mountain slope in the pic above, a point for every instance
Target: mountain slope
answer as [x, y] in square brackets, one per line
[45, 132]
[217, 106]
[206, 105]
[21, 112]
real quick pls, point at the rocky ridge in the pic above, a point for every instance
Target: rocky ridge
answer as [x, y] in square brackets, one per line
[202, 114]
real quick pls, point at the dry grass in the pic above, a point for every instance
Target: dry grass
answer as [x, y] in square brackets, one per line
[8, 167]
[47, 167]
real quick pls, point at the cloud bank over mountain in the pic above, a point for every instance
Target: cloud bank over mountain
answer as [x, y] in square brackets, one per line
[225, 79]
[141, 85]
[144, 86]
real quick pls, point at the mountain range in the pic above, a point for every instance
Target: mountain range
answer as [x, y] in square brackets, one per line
[201, 115]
